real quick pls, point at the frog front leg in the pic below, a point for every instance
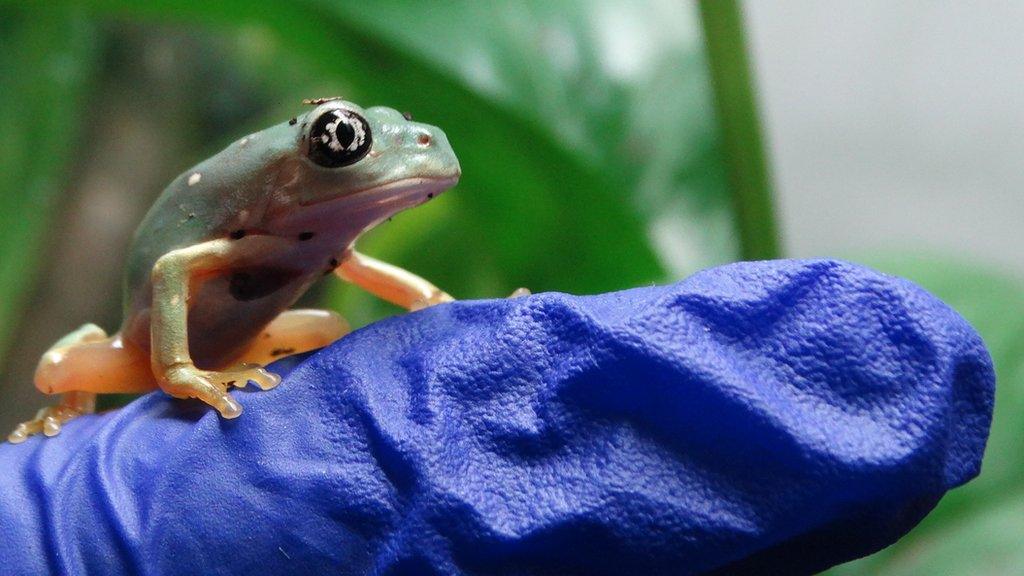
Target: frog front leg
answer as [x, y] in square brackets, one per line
[172, 364]
[394, 284]
[391, 283]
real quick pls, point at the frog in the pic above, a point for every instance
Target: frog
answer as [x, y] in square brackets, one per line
[230, 245]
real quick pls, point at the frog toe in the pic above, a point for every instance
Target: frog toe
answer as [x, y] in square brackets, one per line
[240, 376]
[228, 407]
[260, 376]
[49, 421]
[51, 426]
[20, 433]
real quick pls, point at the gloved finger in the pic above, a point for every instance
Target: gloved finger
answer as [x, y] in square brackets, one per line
[761, 418]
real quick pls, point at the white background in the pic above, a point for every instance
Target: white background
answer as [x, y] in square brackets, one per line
[895, 125]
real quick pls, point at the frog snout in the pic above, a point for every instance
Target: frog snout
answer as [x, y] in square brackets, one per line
[422, 148]
[430, 145]
[426, 138]
[422, 137]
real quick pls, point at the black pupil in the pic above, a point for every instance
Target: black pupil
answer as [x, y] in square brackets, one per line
[338, 138]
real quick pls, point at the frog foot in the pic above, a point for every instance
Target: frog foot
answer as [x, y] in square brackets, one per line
[520, 292]
[187, 381]
[246, 373]
[49, 421]
[437, 297]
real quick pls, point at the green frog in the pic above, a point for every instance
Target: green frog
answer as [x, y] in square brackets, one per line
[232, 243]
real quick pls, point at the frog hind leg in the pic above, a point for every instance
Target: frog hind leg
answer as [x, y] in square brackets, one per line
[78, 366]
[294, 332]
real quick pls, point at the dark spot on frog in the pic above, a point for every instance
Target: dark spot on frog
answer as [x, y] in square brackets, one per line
[237, 234]
[256, 283]
[281, 351]
[331, 265]
[306, 236]
[407, 116]
[430, 196]
[293, 121]
[191, 215]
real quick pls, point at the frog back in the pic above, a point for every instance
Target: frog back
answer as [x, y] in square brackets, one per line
[204, 203]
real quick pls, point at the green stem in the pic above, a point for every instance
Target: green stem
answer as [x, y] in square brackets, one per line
[736, 105]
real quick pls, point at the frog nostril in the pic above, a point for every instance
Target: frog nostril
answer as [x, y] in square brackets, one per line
[423, 139]
[407, 116]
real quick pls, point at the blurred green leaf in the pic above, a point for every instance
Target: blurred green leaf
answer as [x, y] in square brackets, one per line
[45, 68]
[994, 305]
[621, 86]
[736, 103]
[985, 543]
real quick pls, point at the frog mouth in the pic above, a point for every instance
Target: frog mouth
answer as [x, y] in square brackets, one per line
[403, 193]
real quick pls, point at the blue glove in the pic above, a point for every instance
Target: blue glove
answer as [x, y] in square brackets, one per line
[759, 418]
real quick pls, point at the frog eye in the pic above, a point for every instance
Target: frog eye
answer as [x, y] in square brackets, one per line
[339, 137]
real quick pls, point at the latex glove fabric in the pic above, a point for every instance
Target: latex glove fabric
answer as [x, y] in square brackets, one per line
[759, 418]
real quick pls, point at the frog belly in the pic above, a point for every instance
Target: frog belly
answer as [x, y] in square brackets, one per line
[229, 310]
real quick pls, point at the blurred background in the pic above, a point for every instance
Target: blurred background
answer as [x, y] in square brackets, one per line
[605, 144]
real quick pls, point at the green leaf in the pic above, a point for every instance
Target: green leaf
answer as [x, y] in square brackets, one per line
[741, 129]
[639, 115]
[45, 68]
[994, 305]
[986, 543]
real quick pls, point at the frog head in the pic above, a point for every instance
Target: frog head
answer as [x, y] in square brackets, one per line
[373, 158]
